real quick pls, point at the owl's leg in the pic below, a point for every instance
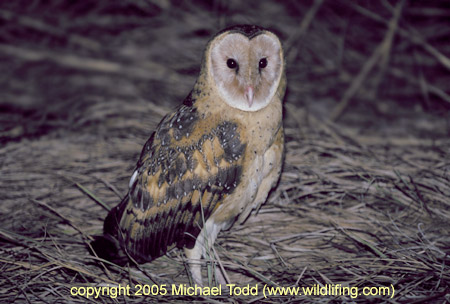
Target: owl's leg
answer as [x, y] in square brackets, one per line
[202, 248]
[194, 255]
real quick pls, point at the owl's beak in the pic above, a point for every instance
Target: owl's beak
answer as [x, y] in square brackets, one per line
[249, 95]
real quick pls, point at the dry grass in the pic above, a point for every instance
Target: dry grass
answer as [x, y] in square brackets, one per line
[364, 199]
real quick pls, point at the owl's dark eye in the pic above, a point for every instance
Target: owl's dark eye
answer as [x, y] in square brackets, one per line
[262, 63]
[231, 63]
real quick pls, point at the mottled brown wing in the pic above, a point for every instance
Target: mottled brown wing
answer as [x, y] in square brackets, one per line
[184, 172]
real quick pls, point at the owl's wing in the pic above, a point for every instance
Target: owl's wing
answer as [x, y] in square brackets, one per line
[184, 172]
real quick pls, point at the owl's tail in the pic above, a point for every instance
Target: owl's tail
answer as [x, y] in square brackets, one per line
[107, 246]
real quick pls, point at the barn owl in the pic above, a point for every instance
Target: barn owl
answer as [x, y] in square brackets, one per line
[211, 161]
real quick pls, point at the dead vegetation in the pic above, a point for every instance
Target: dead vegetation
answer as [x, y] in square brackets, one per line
[364, 198]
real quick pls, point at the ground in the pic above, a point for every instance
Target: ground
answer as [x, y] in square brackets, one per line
[363, 200]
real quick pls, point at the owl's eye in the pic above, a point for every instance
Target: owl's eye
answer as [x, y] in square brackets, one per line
[231, 63]
[262, 63]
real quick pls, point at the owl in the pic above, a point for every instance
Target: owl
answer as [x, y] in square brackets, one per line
[211, 161]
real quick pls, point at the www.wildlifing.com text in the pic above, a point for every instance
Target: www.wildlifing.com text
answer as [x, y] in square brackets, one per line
[267, 291]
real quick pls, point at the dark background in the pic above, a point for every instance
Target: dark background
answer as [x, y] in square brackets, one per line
[59, 57]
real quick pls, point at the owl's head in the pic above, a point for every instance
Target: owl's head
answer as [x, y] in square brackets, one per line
[246, 64]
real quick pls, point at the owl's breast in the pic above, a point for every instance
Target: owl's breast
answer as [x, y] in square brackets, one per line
[263, 137]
